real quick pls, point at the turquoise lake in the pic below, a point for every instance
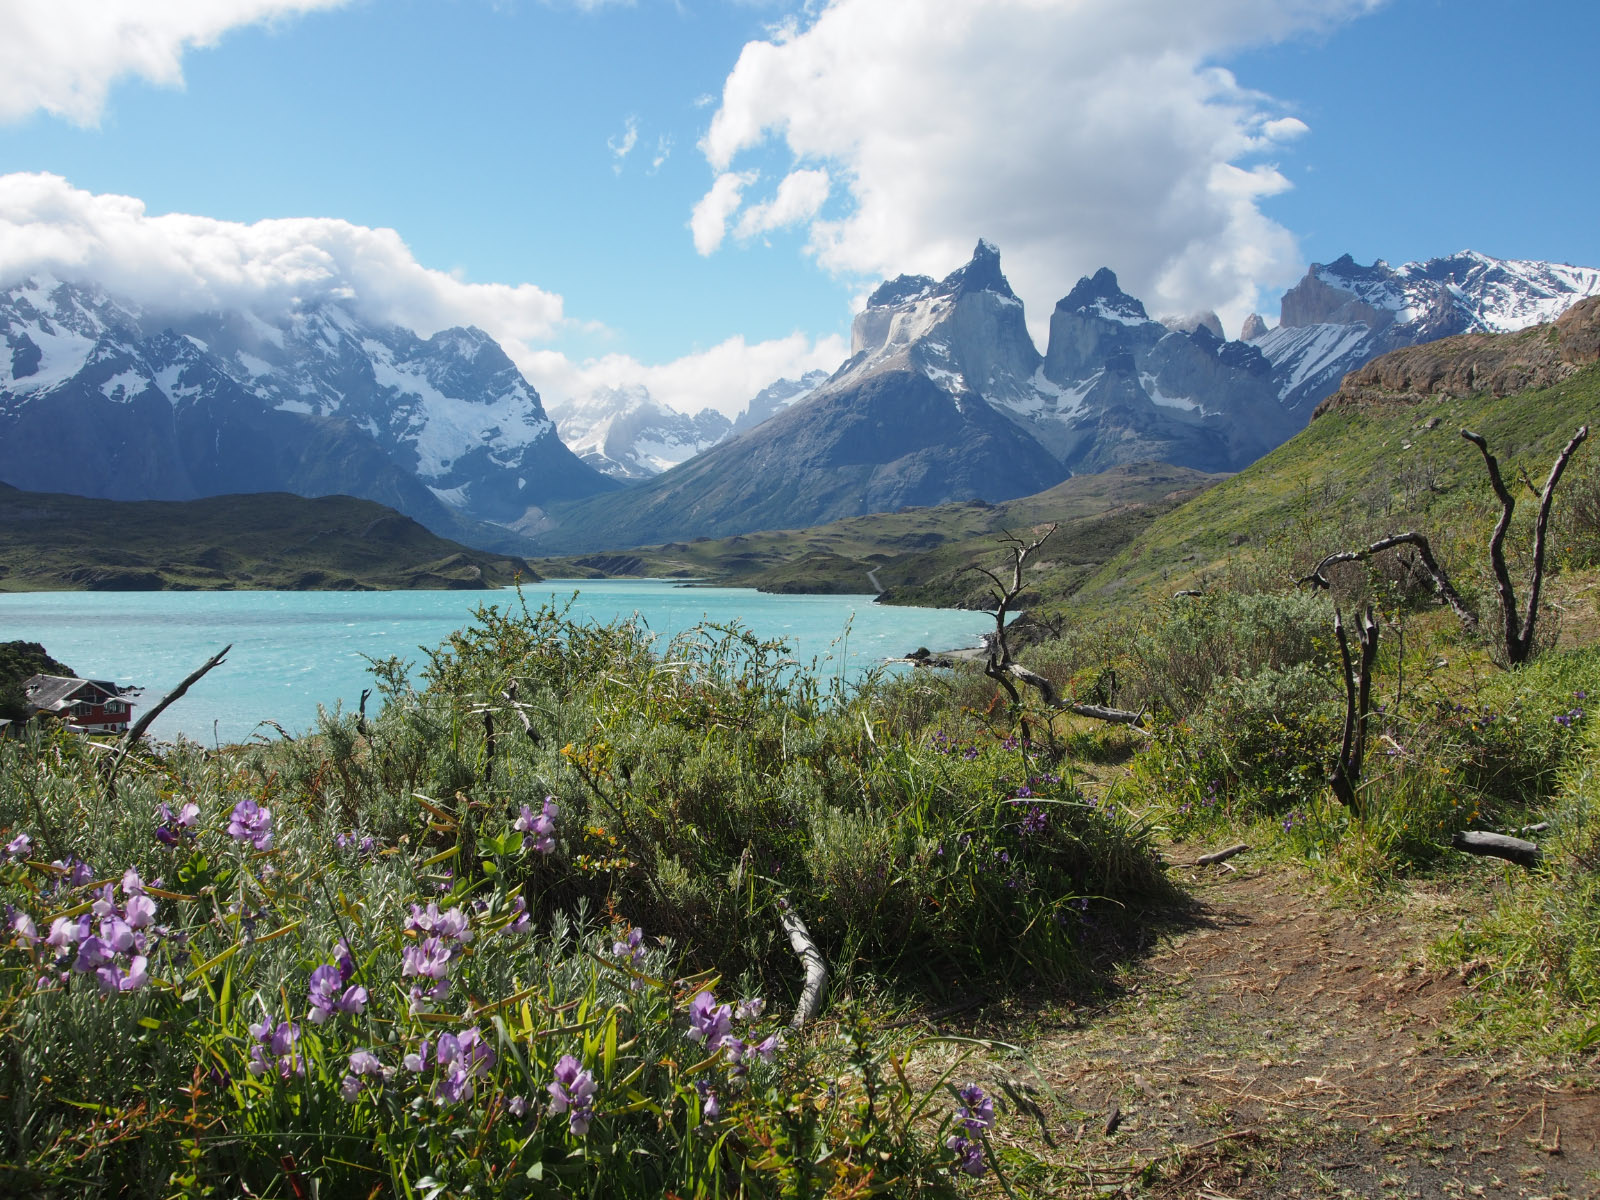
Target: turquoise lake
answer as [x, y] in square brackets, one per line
[295, 650]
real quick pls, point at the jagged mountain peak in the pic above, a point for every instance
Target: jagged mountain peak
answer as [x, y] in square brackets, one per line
[980, 274]
[1101, 294]
[900, 289]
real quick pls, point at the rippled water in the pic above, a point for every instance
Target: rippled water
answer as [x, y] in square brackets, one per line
[295, 650]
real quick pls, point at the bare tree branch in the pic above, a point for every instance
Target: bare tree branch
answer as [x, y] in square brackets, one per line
[1345, 777]
[1517, 631]
[133, 735]
[811, 958]
[1441, 581]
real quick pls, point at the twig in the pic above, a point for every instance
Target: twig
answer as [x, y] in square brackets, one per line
[811, 958]
[143, 723]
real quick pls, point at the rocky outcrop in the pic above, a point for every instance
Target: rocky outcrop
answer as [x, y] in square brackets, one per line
[1254, 327]
[1477, 364]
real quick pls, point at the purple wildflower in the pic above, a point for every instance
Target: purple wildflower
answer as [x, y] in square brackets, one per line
[539, 829]
[1036, 822]
[517, 1106]
[750, 1010]
[275, 1049]
[709, 1022]
[429, 959]
[519, 917]
[710, 1108]
[251, 823]
[19, 846]
[977, 1110]
[114, 979]
[969, 1155]
[27, 932]
[573, 1093]
[328, 994]
[450, 925]
[365, 1072]
[631, 947]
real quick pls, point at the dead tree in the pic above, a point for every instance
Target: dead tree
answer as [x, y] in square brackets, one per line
[999, 665]
[1345, 777]
[131, 738]
[1517, 632]
[1441, 582]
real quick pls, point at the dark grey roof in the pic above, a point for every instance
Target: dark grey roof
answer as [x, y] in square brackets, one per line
[52, 691]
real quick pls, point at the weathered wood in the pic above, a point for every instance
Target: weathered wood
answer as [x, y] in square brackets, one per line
[1418, 542]
[1498, 845]
[1345, 777]
[133, 735]
[1517, 630]
[810, 958]
[1217, 856]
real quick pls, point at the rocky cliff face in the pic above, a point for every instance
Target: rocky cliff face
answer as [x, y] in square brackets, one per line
[1342, 314]
[1496, 364]
[105, 400]
[625, 434]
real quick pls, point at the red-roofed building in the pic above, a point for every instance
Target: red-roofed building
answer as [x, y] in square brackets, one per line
[87, 705]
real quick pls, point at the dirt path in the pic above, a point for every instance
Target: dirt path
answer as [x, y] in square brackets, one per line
[1282, 1045]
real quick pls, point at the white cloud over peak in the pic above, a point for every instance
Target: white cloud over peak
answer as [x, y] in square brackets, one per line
[725, 377]
[62, 56]
[800, 197]
[1075, 134]
[179, 264]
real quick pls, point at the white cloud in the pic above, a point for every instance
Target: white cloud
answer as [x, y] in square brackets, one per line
[621, 147]
[709, 221]
[62, 56]
[180, 264]
[800, 197]
[1073, 133]
[725, 377]
[183, 263]
[663, 152]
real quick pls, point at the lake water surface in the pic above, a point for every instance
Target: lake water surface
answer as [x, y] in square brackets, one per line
[295, 650]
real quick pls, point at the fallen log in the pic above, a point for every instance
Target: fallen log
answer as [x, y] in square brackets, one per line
[1498, 845]
[811, 958]
[1217, 856]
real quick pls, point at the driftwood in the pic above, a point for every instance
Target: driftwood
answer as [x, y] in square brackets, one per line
[811, 958]
[999, 665]
[1418, 542]
[1345, 777]
[1218, 856]
[1517, 632]
[1498, 845]
[133, 735]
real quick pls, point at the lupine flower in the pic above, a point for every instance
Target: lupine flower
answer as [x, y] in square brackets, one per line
[709, 1022]
[274, 1049]
[517, 1106]
[344, 841]
[631, 947]
[327, 998]
[251, 823]
[539, 829]
[768, 1047]
[174, 827]
[27, 932]
[969, 1155]
[573, 1093]
[93, 954]
[429, 959]
[114, 979]
[19, 846]
[1036, 822]
[64, 932]
[451, 925]
[750, 1010]
[461, 1057]
[365, 1072]
[519, 920]
[417, 1060]
[141, 911]
[977, 1110]
[710, 1109]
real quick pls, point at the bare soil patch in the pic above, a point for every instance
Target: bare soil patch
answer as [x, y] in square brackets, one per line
[1283, 1045]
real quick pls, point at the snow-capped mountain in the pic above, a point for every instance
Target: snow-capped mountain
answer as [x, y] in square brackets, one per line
[626, 434]
[775, 397]
[103, 399]
[1342, 314]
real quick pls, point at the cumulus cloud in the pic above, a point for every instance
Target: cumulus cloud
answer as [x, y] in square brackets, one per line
[708, 223]
[1074, 133]
[183, 263]
[800, 197]
[725, 377]
[62, 56]
[179, 264]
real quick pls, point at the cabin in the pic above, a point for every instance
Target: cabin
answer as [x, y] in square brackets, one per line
[83, 705]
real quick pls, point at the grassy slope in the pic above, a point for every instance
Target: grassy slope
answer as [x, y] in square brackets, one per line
[1360, 471]
[919, 555]
[265, 540]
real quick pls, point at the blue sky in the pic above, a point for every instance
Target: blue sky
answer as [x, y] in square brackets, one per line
[782, 157]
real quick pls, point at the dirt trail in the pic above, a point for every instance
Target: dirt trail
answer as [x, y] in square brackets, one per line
[1282, 1045]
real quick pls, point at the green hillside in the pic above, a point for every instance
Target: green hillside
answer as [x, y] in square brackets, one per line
[1359, 472]
[919, 555]
[268, 540]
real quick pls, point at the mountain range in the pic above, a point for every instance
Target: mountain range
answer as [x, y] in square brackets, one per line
[944, 398]
[107, 400]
